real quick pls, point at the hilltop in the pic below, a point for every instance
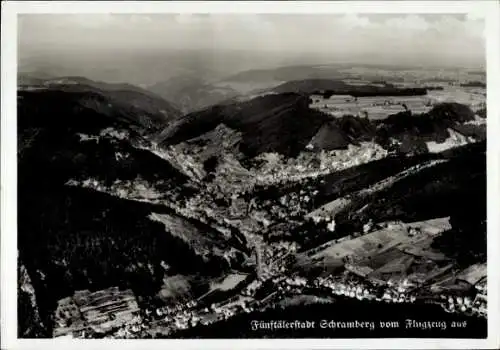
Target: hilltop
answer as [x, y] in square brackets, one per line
[284, 123]
[134, 103]
[273, 123]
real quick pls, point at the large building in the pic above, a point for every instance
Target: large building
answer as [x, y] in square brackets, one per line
[99, 311]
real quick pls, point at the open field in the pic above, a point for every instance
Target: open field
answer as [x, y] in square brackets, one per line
[389, 250]
[175, 288]
[473, 274]
[380, 107]
[362, 246]
[375, 107]
[229, 282]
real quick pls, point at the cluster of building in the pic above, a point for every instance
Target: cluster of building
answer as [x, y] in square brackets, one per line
[190, 314]
[313, 164]
[457, 303]
[390, 293]
[84, 137]
[138, 188]
[102, 312]
[296, 284]
[251, 288]
[274, 258]
[481, 299]
[290, 204]
[347, 288]
[182, 320]
[477, 305]
[276, 251]
[109, 133]
[472, 302]
[129, 331]
[401, 291]
[113, 133]
[172, 309]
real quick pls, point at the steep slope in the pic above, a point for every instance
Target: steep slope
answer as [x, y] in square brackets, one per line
[439, 189]
[73, 147]
[278, 138]
[341, 132]
[29, 324]
[284, 123]
[413, 133]
[280, 123]
[406, 188]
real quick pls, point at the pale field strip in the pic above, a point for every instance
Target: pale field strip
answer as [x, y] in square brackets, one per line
[473, 274]
[394, 235]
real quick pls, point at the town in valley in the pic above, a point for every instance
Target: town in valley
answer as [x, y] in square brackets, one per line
[184, 193]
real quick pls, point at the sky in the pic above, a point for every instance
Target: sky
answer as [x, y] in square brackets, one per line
[408, 38]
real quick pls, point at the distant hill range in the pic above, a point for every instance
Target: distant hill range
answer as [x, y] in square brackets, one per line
[369, 72]
[319, 71]
[189, 93]
[329, 87]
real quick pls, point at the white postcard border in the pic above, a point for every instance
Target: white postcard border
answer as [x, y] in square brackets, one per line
[488, 9]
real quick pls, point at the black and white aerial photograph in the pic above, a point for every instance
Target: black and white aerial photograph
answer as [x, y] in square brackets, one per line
[251, 175]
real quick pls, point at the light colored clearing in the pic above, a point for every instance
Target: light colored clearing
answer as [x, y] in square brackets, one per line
[174, 287]
[229, 282]
[235, 302]
[454, 140]
[433, 226]
[379, 107]
[85, 137]
[330, 209]
[473, 274]
[304, 300]
[464, 95]
[375, 107]
[477, 121]
[365, 245]
[356, 82]
[143, 191]
[117, 134]
[361, 271]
